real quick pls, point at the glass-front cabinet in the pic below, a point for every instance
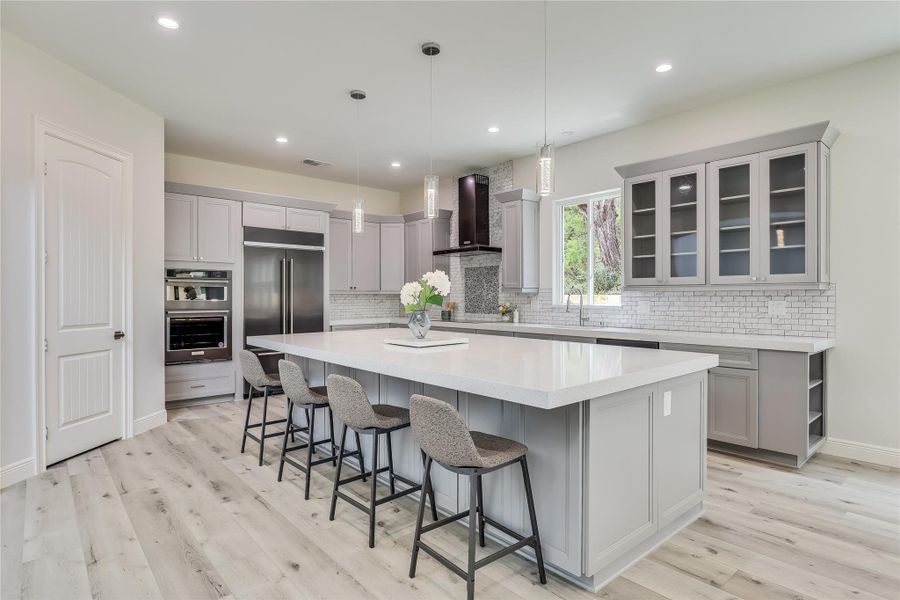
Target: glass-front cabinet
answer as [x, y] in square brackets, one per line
[643, 220]
[788, 214]
[734, 219]
[684, 225]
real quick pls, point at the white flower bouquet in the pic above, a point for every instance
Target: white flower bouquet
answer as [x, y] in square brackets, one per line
[430, 289]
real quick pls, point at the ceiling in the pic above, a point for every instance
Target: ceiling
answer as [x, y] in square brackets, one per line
[236, 74]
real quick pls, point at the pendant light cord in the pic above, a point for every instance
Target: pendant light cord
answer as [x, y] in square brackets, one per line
[357, 150]
[431, 115]
[545, 72]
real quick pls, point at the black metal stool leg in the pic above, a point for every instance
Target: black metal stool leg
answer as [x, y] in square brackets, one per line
[310, 448]
[473, 503]
[337, 474]
[390, 454]
[480, 513]
[331, 429]
[374, 481]
[434, 516]
[289, 428]
[247, 420]
[290, 418]
[426, 480]
[265, 416]
[534, 526]
[362, 465]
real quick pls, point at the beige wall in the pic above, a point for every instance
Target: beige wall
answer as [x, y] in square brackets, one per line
[36, 84]
[862, 100]
[199, 171]
[413, 199]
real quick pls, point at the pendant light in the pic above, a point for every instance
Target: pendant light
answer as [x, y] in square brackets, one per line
[546, 154]
[358, 204]
[432, 182]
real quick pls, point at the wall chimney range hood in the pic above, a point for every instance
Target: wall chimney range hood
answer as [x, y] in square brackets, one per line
[474, 218]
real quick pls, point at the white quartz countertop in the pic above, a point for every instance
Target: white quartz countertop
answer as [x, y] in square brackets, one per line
[759, 342]
[540, 373]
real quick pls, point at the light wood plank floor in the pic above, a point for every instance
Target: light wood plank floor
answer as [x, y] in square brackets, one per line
[178, 512]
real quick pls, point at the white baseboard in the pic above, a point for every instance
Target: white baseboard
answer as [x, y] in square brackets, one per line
[150, 421]
[17, 471]
[879, 455]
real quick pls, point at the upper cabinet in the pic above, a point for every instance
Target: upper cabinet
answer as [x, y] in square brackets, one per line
[392, 256]
[760, 217]
[371, 261]
[520, 222]
[422, 237]
[270, 216]
[200, 229]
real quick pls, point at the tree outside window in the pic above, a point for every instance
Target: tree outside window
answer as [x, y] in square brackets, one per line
[591, 252]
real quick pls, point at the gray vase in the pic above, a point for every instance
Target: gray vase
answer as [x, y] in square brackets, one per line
[419, 324]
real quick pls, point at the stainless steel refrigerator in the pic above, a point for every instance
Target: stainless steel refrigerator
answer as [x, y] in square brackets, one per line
[284, 285]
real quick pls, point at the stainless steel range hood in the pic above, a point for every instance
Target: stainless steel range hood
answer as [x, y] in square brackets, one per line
[474, 219]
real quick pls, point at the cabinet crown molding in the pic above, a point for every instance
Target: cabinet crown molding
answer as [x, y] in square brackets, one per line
[246, 196]
[823, 131]
[518, 194]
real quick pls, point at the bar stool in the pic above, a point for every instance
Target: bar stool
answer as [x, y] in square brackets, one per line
[259, 381]
[445, 439]
[351, 405]
[309, 399]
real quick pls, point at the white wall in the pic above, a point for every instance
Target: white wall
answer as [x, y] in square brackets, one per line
[199, 171]
[36, 84]
[863, 100]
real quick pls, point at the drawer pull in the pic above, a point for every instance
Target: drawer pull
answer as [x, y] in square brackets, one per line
[199, 385]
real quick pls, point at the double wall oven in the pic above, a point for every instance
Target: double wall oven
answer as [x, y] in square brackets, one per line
[198, 316]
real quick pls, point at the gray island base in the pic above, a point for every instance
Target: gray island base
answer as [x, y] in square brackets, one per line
[616, 436]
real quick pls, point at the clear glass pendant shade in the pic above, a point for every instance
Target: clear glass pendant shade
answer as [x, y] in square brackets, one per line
[359, 216]
[546, 165]
[431, 196]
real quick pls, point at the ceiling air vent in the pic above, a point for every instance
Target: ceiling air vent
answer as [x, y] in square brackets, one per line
[311, 162]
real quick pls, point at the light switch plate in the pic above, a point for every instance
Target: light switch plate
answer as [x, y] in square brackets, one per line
[667, 404]
[777, 308]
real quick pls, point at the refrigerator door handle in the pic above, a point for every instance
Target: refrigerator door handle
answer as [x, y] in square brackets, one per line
[292, 296]
[283, 296]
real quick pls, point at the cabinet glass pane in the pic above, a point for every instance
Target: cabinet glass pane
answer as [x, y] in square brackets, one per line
[643, 230]
[683, 219]
[787, 215]
[733, 197]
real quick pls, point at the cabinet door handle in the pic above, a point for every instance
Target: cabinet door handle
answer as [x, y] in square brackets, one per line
[193, 387]
[753, 278]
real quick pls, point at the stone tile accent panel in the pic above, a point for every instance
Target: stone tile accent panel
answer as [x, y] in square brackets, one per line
[482, 289]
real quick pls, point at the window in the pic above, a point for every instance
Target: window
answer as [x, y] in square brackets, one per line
[589, 256]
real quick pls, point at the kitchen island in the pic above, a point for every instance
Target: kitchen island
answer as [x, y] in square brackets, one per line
[616, 436]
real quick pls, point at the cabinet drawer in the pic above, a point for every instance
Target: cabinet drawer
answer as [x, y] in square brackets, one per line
[200, 370]
[199, 388]
[738, 358]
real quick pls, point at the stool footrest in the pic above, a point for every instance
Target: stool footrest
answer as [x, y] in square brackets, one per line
[442, 559]
[529, 541]
[399, 494]
[255, 438]
[503, 528]
[275, 422]
[444, 521]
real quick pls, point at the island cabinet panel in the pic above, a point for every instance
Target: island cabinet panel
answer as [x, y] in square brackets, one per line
[620, 509]
[679, 451]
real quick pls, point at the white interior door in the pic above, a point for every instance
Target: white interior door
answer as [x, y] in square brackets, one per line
[84, 298]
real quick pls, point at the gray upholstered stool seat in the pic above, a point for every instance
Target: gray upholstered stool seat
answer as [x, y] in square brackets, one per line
[350, 404]
[496, 450]
[309, 400]
[441, 432]
[389, 417]
[259, 381]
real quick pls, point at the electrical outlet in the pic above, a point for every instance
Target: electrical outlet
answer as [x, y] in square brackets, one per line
[777, 308]
[667, 404]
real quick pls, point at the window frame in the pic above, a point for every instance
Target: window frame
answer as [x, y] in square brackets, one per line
[558, 207]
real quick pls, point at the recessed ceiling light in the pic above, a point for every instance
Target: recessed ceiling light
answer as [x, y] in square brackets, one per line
[663, 68]
[167, 22]
[395, 164]
[281, 139]
[493, 129]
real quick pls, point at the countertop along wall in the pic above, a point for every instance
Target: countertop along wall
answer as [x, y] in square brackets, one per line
[36, 84]
[861, 100]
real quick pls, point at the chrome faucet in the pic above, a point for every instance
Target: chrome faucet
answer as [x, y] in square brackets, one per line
[581, 317]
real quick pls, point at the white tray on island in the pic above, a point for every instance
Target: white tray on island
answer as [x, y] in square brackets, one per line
[428, 343]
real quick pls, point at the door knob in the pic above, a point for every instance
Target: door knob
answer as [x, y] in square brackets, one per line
[119, 335]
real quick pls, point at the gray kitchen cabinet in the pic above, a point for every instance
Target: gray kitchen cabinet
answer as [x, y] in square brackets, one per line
[354, 259]
[422, 237]
[734, 220]
[339, 252]
[218, 230]
[734, 406]
[199, 380]
[267, 216]
[200, 229]
[304, 219]
[642, 213]
[181, 227]
[520, 222]
[392, 256]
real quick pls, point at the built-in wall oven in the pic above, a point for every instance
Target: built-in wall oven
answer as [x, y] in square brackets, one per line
[198, 316]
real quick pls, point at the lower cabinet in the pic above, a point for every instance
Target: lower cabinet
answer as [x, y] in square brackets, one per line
[734, 406]
[199, 380]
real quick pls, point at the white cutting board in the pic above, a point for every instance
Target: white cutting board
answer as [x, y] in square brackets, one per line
[426, 343]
